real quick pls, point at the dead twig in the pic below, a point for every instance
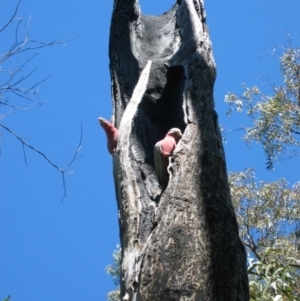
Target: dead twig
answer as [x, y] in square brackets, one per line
[63, 171]
[13, 82]
[12, 17]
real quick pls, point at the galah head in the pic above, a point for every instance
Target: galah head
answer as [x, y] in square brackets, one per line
[102, 121]
[176, 133]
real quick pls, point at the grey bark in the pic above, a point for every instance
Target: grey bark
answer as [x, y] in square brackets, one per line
[181, 243]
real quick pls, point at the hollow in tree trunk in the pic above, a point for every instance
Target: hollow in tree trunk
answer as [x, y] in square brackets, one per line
[179, 241]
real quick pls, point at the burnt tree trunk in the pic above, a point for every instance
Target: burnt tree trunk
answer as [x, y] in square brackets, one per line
[181, 243]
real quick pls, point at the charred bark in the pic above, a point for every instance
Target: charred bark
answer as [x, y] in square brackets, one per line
[181, 243]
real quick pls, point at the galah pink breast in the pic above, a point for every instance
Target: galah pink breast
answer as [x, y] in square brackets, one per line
[163, 149]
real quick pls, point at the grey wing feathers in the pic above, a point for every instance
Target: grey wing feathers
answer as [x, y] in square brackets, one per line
[158, 163]
[160, 166]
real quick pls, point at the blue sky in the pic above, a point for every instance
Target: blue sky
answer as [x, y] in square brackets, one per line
[53, 250]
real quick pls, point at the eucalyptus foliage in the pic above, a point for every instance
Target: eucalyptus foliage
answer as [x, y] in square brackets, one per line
[268, 215]
[113, 270]
[275, 117]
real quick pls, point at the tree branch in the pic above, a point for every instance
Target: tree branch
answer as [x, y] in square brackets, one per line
[252, 246]
[61, 170]
[12, 17]
[15, 78]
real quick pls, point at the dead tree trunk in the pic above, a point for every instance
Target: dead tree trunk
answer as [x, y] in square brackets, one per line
[181, 243]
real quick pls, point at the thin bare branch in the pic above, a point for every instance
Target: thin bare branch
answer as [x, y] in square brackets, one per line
[16, 77]
[295, 132]
[12, 17]
[15, 72]
[252, 246]
[74, 158]
[61, 170]
[43, 45]
[21, 108]
[24, 154]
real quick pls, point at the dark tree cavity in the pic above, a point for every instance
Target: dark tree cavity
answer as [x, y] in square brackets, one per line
[180, 243]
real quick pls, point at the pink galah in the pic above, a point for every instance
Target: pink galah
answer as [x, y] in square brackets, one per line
[111, 134]
[163, 149]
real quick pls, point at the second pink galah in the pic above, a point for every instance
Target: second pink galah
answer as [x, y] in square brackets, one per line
[163, 149]
[111, 134]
